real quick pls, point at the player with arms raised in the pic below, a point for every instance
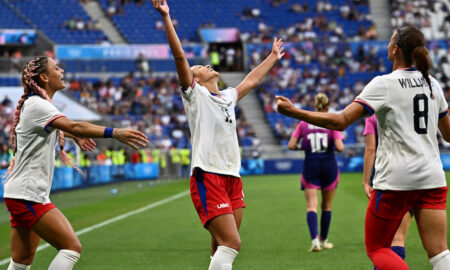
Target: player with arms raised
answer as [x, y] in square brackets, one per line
[216, 186]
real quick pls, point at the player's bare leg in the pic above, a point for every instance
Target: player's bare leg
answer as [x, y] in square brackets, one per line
[432, 225]
[238, 213]
[225, 231]
[54, 228]
[23, 247]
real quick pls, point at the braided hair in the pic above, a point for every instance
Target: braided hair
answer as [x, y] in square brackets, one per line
[30, 81]
[412, 42]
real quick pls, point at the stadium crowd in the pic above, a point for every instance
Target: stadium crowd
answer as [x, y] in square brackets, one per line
[431, 16]
[319, 20]
[333, 69]
[315, 24]
[149, 104]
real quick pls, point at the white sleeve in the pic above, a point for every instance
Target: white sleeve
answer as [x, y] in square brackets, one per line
[44, 113]
[374, 95]
[187, 93]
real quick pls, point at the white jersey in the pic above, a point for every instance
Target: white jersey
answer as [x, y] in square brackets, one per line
[407, 156]
[212, 123]
[31, 177]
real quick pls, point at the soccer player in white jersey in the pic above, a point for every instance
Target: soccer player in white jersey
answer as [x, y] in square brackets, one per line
[216, 186]
[30, 174]
[410, 108]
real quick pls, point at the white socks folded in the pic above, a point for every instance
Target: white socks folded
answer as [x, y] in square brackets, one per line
[223, 258]
[64, 260]
[17, 266]
[441, 261]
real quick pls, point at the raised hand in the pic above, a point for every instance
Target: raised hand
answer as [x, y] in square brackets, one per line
[284, 105]
[277, 48]
[86, 144]
[131, 137]
[161, 6]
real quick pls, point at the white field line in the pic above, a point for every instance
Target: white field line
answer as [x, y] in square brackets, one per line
[114, 219]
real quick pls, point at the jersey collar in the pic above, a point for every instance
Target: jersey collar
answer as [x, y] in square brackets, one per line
[407, 69]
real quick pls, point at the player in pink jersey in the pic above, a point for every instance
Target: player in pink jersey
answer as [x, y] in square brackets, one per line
[371, 134]
[38, 126]
[411, 109]
[215, 184]
[320, 171]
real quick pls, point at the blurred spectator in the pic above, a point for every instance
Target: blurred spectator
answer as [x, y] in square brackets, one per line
[299, 8]
[5, 156]
[142, 65]
[159, 25]
[431, 16]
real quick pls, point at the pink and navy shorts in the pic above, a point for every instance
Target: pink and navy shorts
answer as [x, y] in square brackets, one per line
[320, 173]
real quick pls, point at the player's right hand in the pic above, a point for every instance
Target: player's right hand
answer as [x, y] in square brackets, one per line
[161, 6]
[284, 105]
[131, 137]
[368, 189]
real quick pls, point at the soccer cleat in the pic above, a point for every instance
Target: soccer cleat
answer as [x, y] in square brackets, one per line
[325, 244]
[315, 245]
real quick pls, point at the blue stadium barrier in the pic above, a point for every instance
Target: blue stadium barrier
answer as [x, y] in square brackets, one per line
[445, 161]
[283, 166]
[68, 178]
[143, 171]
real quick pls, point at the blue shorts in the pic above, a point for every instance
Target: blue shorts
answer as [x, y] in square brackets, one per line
[320, 173]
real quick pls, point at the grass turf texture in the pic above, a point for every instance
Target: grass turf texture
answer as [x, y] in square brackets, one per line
[274, 232]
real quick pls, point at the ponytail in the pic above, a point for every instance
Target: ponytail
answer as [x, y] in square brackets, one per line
[420, 57]
[321, 102]
[411, 41]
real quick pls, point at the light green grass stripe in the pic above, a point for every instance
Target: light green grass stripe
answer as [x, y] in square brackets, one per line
[114, 219]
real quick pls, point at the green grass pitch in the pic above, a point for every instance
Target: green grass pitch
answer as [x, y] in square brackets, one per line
[274, 233]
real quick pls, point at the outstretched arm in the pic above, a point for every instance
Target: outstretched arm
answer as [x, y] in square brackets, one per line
[86, 144]
[128, 136]
[257, 74]
[181, 63]
[336, 121]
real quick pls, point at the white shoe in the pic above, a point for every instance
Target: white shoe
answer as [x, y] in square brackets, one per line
[315, 245]
[325, 244]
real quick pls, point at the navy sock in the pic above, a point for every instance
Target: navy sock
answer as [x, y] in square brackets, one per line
[400, 251]
[311, 218]
[325, 221]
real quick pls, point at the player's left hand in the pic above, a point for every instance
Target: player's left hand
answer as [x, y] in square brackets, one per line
[277, 48]
[86, 144]
[284, 105]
